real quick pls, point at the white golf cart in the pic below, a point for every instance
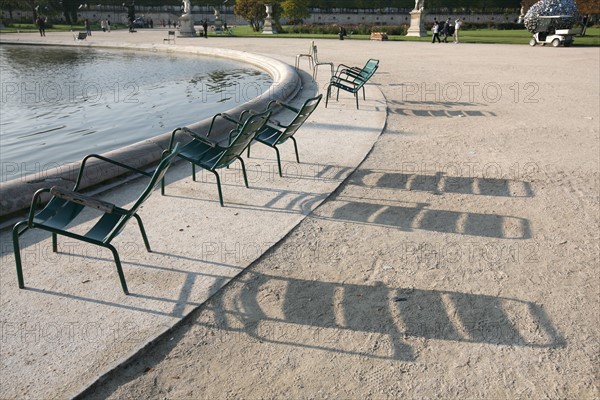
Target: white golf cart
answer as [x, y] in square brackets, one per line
[546, 32]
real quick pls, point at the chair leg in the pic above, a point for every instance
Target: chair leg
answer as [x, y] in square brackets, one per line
[250, 145]
[363, 90]
[119, 268]
[295, 149]
[278, 160]
[337, 97]
[143, 231]
[219, 187]
[193, 172]
[243, 170]
[54, 243]
[162, 186]
[328, 94]
[356, 97]
[17, 250]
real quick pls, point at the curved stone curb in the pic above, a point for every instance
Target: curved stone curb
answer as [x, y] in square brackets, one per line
[16, 195]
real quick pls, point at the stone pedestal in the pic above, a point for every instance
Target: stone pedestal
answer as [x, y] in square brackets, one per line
[218, 22]
[268, 26]
[186, 26]
[417, 24]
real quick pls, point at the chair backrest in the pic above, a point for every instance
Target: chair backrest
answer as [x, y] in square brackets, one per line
[365, 74]
[241, 138]
[307, 108]
[369, 69]
[155, 180]
[314, 54]
[171, 33]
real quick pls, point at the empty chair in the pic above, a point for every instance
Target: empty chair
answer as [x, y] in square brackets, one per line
[352, 79]
[274, 133]
[317, 63]
[210, 154]
[308, 55]
[170, 37]
[66, 205]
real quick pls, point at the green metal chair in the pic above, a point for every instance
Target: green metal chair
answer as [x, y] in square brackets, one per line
[65, 205]
[352, 79]
[212, 155]
[273, 136]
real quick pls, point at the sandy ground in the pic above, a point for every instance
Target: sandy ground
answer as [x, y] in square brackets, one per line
[460, 260]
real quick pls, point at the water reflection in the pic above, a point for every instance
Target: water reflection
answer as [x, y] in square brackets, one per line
[59, 104]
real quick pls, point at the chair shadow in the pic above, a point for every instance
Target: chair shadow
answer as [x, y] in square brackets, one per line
[395, 312]
[373, 321]
[439, 183]
[419, 217]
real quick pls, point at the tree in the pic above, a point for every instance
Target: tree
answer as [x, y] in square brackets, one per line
[295, 9]
[588, 7]
[252, 10]
[255, 12]
[9, 5]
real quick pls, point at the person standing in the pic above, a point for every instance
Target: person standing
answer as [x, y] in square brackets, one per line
[103, 25]
[41, 25]
[108, 25]
[342, 32]
[205, 28]
[88, 29]
[446, 30]
[457, 25]
[436, 32]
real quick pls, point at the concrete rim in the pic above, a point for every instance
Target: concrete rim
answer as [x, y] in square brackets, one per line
[17, 193]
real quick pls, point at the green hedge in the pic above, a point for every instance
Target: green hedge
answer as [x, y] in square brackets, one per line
[358, 29]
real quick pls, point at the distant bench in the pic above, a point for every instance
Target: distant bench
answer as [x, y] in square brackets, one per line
[80, 36]
[379, 36]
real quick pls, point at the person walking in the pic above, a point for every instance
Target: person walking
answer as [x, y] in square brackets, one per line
[446, 30]
[41, 23]
[436, 32]
[457, 25]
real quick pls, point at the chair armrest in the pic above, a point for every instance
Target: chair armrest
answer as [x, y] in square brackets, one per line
[353, 72]
[199, 138]
[34, 202]
[284, 105]
[108, 160]
[224, 116]
[337, 79]
[79, 198]
[273, 121]
[342, 66]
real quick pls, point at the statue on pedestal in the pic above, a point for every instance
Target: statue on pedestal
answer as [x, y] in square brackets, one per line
[268, 25]
[417, 20]
[218, 21]
[186, 22]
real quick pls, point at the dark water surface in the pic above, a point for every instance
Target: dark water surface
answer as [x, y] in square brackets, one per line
[60, 104]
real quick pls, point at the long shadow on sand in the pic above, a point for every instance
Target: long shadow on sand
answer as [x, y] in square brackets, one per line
[322, 315]
[440, 182]
[373, 321]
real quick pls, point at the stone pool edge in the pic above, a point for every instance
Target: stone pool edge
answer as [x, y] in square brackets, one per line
[16, 194]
